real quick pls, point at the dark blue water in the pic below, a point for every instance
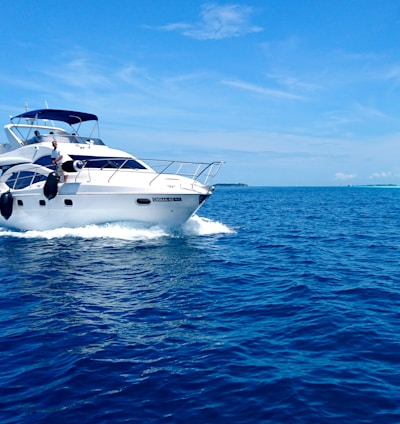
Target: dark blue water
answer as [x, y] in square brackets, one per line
[279, 305]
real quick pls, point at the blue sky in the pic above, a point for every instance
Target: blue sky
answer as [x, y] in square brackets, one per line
[287, 92]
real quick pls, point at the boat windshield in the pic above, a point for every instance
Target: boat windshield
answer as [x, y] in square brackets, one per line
[64, 138]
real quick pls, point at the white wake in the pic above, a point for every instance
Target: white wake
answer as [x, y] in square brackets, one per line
[196, 226]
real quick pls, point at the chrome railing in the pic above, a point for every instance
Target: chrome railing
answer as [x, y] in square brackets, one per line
[202, 172]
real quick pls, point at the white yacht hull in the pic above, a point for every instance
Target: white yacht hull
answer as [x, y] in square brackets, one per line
[35, 212]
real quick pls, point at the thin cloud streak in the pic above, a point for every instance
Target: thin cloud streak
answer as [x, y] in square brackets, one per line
[217, 22]
[294, 83]
[263, 91]
[341, 176]
[379, 175]
[80, 72]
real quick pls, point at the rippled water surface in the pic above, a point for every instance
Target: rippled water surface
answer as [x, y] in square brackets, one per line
[275, 305]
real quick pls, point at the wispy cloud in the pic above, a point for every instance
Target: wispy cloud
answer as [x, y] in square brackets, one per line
[280, 94]
[293, 83]
[344, 177]
[379, 175]
[81, 72]
[217, 22]
[394, 73]
[355, 115]
[368, 112]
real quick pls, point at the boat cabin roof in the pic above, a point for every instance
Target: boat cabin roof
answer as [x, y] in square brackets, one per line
[68, 116]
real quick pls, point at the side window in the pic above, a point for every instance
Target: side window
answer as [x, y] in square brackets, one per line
[39, 177]
[132, 164]
[23, 179]
[113, 163]
[98, 163]
[11, 181]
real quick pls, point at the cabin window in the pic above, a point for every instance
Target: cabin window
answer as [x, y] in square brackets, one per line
[108, 163]
[20, 202]
[22, 179]
[42, 202]
[38, 177]
[68, 202]
[11, 181]
[143, 201]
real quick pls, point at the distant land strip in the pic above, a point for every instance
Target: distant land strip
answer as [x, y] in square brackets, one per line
[231, 185]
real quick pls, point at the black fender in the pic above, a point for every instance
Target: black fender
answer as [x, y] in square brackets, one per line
[50, 188]
[6, 204]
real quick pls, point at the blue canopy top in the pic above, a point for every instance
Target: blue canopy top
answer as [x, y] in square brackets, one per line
[67, 116]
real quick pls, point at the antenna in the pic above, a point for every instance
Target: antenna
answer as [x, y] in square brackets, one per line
[47, 107]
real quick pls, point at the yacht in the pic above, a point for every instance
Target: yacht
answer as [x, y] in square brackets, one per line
[92, 183]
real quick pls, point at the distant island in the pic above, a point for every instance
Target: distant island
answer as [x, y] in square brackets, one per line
[375, 185]
[231, 185]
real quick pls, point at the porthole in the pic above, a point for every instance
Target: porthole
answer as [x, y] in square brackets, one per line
[143, 201]
[68, 202]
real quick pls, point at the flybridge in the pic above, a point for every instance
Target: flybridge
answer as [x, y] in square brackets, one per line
[46, 125]
[68, 116]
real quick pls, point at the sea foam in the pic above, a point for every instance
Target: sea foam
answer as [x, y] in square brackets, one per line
[196, 226]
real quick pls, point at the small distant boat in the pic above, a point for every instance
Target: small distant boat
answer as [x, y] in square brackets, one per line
[95, 184]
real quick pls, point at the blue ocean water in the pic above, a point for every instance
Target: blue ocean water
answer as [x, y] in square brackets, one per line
[274, 305]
